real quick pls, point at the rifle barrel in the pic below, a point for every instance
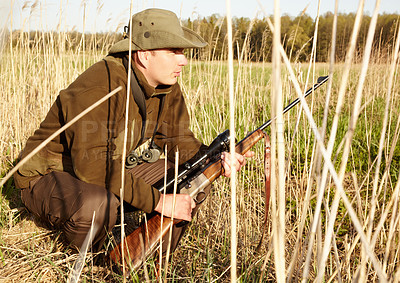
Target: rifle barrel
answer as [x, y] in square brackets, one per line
[321, 80]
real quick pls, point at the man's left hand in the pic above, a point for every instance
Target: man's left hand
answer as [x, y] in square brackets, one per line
[238, 161]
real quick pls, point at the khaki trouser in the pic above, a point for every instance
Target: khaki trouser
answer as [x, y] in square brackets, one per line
[62, 202]
[65, 203]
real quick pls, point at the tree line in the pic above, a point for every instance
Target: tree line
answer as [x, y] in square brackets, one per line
[252, 37]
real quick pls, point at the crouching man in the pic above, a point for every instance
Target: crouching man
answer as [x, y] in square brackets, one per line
[79, 172]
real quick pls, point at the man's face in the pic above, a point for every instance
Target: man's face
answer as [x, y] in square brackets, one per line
[164, 66]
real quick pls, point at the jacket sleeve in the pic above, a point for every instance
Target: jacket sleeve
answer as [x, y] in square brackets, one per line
[92, 140]
[174, 131]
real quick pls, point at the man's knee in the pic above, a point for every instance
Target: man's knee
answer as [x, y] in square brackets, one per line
[102, 205]
[99, 208]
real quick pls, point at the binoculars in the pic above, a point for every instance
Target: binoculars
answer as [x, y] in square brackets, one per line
[149, 155]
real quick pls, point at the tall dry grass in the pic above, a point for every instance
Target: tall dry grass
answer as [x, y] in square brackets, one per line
[338, 210]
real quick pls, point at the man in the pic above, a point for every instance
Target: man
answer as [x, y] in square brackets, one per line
[79, 172]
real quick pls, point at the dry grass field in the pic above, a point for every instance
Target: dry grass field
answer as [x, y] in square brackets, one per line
[341, 218]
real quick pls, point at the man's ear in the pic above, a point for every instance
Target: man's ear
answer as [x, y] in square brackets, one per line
[142, 57]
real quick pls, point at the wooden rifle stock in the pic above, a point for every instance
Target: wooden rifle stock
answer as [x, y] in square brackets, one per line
[142, 242]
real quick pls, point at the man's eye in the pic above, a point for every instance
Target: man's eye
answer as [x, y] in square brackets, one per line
[177, 51]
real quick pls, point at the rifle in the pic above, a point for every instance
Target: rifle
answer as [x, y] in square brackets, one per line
[192, 179]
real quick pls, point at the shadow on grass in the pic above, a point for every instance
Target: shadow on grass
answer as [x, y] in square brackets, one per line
[10, 193]
[12, 211]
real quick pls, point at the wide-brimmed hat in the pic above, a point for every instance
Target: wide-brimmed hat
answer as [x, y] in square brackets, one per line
[156, 29]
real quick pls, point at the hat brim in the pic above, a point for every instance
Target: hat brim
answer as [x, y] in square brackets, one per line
[190, 39]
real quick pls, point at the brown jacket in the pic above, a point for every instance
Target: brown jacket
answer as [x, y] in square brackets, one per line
[91, 149]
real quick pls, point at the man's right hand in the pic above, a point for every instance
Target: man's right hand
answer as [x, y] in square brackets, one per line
[183, 206]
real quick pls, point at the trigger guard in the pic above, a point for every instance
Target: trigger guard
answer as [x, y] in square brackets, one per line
[200, 197]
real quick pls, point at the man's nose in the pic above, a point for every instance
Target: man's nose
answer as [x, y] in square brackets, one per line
[182, 60]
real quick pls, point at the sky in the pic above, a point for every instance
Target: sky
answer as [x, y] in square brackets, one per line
[112, 15]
